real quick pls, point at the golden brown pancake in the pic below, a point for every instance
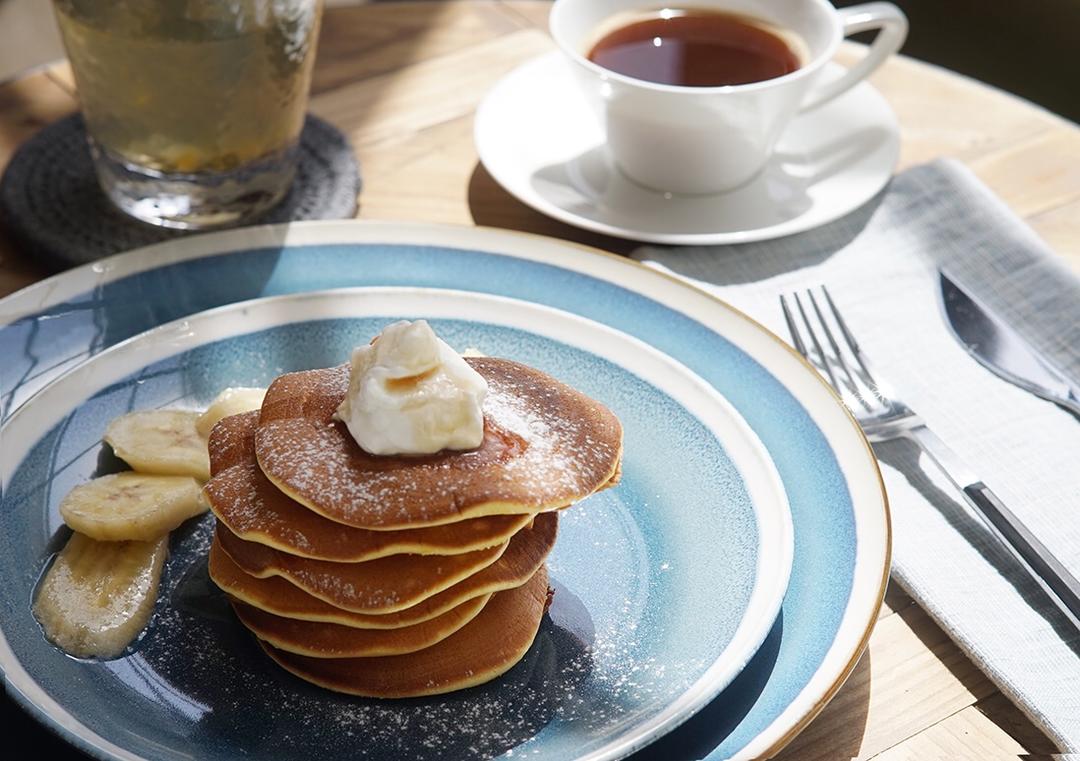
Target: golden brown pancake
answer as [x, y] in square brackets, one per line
[305, 393]
[252, 508]
[232, 441]
[480, 651]
[274, 594]
[321, 640]
[545, 446]
[378, 586]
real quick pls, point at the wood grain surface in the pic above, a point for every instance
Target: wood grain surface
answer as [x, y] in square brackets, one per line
[403, 80]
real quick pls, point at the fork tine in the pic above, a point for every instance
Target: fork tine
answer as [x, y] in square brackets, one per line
[817, 344]
[849, 338]
[793, 331]
[844, 365]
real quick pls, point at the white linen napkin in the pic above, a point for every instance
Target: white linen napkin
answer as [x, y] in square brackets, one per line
[880, 264]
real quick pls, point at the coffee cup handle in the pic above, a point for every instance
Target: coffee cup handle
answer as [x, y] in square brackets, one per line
[893, 26]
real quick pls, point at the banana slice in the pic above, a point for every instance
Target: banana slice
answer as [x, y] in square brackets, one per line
[98, 596]
[231, 401]
[164, 442]
[132, 506]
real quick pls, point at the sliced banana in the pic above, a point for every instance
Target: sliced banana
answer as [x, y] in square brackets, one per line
[231, 401]
[132, 506]
[98, 596]
[164, 442]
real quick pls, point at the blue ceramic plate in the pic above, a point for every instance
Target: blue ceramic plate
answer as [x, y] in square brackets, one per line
[638, 637]
[660, 582]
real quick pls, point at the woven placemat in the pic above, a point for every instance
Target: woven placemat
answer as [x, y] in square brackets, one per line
[54, 209]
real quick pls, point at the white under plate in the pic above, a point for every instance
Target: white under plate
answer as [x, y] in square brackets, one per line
[538, 138]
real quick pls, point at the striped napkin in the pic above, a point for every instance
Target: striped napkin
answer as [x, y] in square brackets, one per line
[880, 264]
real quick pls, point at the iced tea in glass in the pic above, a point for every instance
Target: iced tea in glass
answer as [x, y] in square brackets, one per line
[193, 107]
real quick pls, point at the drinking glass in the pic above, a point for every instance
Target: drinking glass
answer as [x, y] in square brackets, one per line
[193, 108]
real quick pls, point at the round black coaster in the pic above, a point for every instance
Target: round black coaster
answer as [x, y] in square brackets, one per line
[52, 205]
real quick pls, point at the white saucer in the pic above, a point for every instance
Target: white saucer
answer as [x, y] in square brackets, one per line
[537, 137]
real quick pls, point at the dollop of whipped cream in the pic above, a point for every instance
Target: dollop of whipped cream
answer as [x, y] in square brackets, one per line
[410, 393]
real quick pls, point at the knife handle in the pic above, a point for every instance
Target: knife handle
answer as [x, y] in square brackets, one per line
[1060, 586]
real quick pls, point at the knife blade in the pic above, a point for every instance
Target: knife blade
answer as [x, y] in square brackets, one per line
[1003, 351]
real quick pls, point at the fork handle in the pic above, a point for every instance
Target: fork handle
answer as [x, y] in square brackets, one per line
[1058, 581]
[1054, 579]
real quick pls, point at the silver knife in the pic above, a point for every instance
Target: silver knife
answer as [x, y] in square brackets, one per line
[1002, 350]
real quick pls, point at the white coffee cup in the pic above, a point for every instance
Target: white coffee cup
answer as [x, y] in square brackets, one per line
[698, 140]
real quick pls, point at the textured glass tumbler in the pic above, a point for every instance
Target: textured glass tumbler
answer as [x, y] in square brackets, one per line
[193, 108]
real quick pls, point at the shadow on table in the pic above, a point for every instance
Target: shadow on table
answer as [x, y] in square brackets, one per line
[492, 206]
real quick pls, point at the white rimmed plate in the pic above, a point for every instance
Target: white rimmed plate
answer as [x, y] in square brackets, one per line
[837, 505]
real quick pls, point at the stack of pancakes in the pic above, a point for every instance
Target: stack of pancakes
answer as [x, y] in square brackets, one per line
[398, 576]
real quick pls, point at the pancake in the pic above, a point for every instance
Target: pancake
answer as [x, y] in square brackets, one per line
[545, 446]
[232, 441]
[486, 647]
[274, 594]
[385, 585]
[305, 394]
[251, 507]
[321, 640]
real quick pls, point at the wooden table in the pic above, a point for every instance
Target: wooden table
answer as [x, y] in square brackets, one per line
[403, 80]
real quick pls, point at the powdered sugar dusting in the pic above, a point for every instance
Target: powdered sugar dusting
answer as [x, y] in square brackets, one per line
[230, 441]
[559, 455]
[545, 445]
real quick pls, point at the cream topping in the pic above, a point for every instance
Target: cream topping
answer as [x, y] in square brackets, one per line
[410, 393]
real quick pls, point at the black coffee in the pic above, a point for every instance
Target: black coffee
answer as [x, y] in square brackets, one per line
[695, 48]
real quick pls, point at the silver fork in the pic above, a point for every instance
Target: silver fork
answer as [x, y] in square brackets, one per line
[815, 323]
